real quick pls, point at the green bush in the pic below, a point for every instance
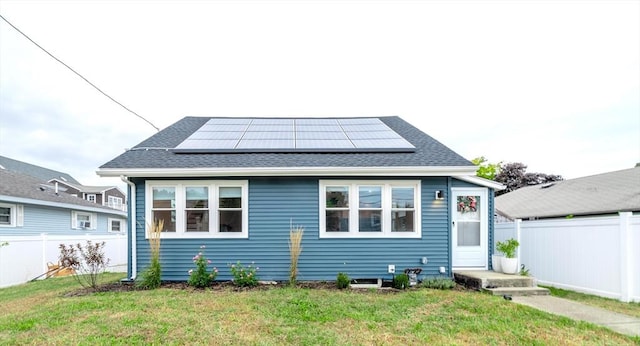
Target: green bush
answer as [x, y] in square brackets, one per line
[244, 276]
[150, 277]
[200, 277]
[438, 283]
[342, 280]
[401, 281]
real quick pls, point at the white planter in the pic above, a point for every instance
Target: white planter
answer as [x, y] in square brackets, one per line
[496, 263]
[509, 265]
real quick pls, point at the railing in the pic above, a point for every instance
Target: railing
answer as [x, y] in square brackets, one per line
[118, 206]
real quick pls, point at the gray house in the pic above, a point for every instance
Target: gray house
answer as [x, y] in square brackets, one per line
[369, 192]
[596, 195]
[110, 196]
[29, 206]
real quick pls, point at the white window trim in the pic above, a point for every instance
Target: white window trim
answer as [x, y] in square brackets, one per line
[95, 198]
[213, 186]
[123, 225]
[16, 215]
[93, 219]
[386, 208]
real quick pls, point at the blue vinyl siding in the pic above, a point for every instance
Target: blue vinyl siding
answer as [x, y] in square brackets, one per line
[273, 204]
[55, 221]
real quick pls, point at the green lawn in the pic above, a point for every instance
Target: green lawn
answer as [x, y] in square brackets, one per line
[43, 313]
[631, 309]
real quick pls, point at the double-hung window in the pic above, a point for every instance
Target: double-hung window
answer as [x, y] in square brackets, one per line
[117, 225]
[83, 220]
[11, 215]
[200, 208]
[370, 209]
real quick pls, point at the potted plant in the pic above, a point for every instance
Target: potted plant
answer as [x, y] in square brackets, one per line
[509, 262]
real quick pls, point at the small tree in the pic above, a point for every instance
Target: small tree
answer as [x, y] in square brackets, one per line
[295, 248]
[87, 262]
[486, 170]
[151, 275]
[513, 175]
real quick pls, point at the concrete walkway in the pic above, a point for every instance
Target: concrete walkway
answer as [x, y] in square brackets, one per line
[620, 323]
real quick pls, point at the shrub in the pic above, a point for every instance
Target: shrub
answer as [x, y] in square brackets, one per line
[342, 280]
[244, 276]
[200, 277]
[401, 281]
[438, 283]
[151, 276]
[88, 262]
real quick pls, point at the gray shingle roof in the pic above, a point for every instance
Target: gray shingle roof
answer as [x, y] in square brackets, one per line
[155, 152]
[24, 186]
[597, 194]
[41, 173]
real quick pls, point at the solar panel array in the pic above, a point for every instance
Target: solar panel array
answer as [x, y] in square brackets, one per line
[294, 135]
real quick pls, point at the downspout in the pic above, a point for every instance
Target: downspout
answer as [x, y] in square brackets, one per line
[132, 226]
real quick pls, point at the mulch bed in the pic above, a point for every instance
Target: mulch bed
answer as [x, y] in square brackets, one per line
[221, 286]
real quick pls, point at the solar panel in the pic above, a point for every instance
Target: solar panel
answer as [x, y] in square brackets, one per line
[237, 135]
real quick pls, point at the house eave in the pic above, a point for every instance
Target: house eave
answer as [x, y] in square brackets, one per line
[22, 200]
[482, 181]
[405, 171]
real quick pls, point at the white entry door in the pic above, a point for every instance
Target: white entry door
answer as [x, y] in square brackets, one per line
[469, 228]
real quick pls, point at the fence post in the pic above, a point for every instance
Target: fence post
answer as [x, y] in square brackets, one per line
[518, 228]
[626, 278]
[44, 252]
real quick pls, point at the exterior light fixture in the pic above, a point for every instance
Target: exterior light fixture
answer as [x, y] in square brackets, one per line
[439, 194]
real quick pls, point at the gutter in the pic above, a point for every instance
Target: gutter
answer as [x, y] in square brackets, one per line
[132, 226]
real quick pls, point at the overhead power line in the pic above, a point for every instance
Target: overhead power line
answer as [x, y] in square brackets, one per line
[79, 75]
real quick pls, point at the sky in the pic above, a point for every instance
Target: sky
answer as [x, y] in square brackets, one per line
[552, 84]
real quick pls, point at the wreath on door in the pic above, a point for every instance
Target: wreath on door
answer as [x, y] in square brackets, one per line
[467, 204]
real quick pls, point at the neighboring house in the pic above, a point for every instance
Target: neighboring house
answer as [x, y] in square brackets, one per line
[110, 196]
[597, 195]
[369, 193]
[30, 207]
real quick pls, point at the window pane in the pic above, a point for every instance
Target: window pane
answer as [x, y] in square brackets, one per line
[402, 221]
[169, 218]
[197, 197]
[83, 217]
[337, 221]
[402, 197]
[197, 220]
[468, 234]
[230, 221]
[5, 216]
[370, 196]
[164, 197]
[115, 226]
[230, 197]
[337, 196]
[370, 221]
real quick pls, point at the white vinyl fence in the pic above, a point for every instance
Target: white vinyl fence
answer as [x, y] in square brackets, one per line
[26, 257]
[597, 255]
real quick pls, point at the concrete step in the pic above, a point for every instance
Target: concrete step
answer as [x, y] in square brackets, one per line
[518, 291]
[484, 279]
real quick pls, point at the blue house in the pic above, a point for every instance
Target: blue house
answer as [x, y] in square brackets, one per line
[29, 206]
[369, 193]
